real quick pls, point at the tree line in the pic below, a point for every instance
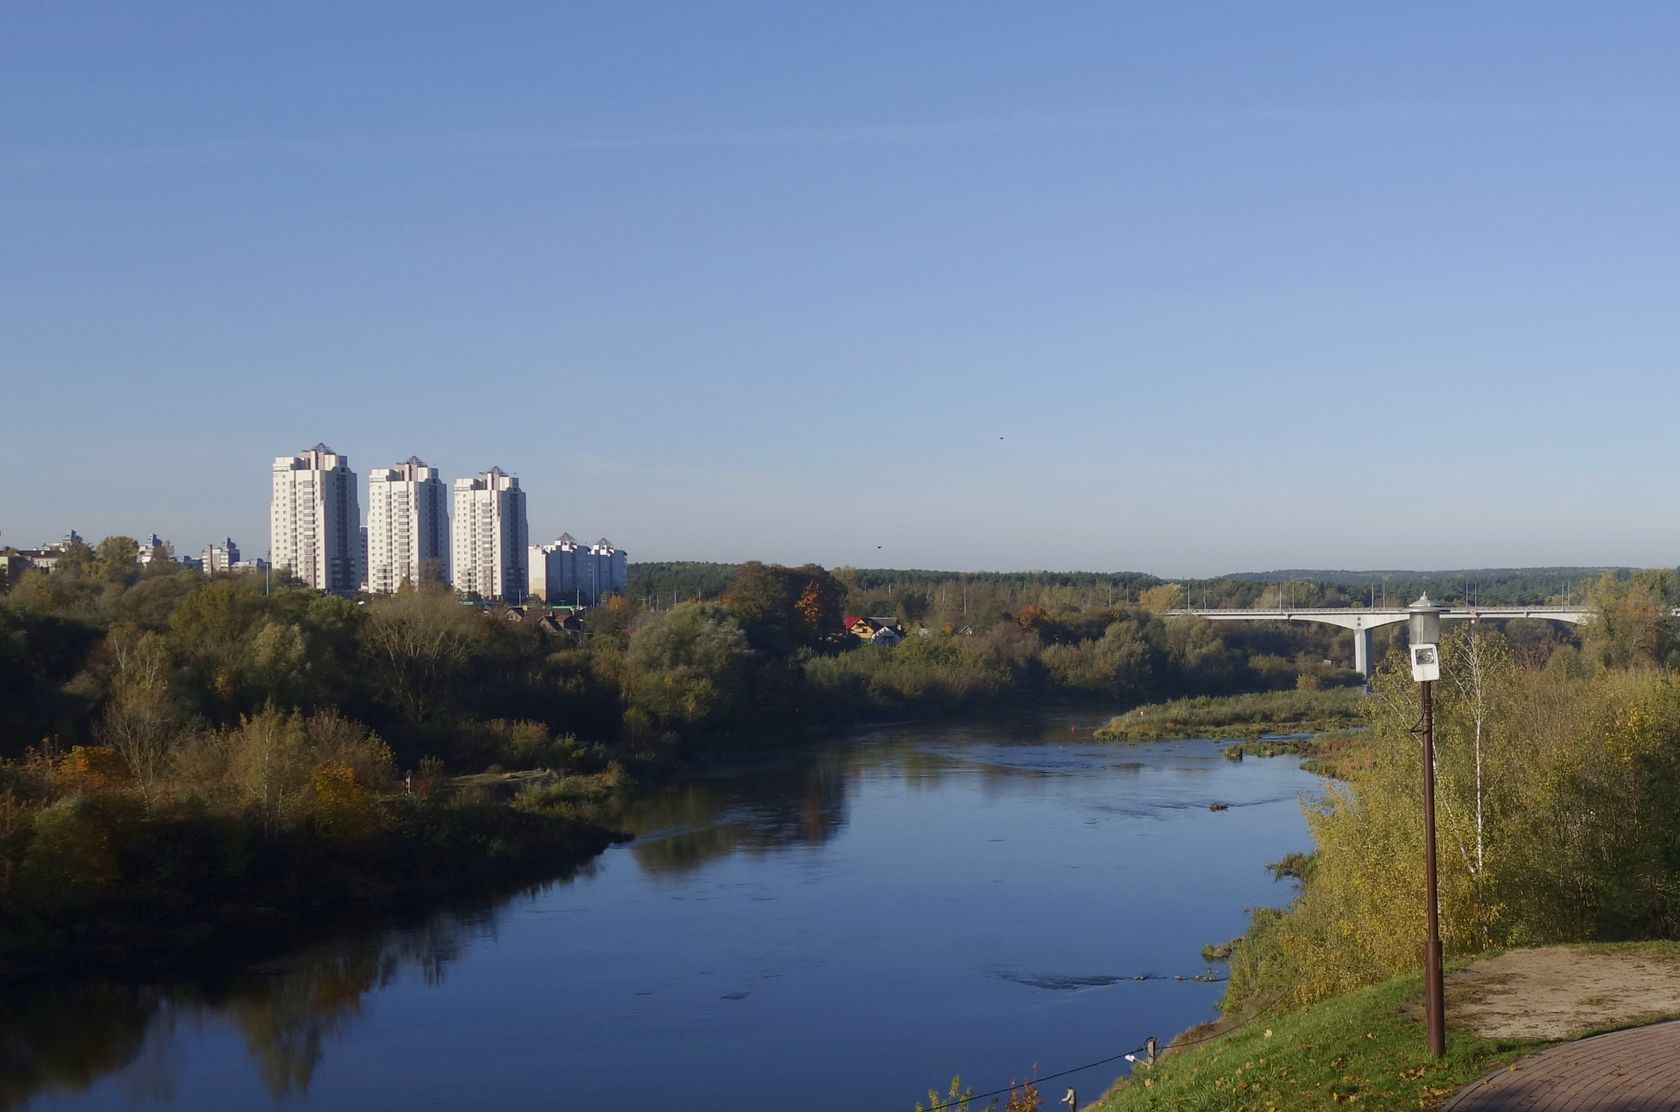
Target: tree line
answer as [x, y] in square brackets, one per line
[942, 598]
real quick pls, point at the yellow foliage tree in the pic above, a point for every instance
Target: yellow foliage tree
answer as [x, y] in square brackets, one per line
[340, 805]
[1161, 598]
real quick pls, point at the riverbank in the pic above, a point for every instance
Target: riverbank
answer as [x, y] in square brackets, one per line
[175, 891]
[1368, 1047]
[1362, 1049]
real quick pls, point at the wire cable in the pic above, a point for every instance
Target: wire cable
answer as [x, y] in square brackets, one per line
[1013, 1085]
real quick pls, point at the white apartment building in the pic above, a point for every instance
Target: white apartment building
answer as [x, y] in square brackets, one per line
[554, 570]
[569, 572]
[607, 571]
[489, 537]
[315, 520]
[407, 525]
[219, 557]
[153, 548]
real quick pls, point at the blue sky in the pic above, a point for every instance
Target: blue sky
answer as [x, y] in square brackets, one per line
[1176, 288]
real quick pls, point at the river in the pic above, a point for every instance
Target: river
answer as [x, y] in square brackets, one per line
[833, 931]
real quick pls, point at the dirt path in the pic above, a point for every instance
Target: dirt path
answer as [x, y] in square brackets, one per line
[1557, 992]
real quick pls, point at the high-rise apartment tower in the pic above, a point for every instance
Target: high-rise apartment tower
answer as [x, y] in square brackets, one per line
[315, 520]
[407, 526]
[489, 537]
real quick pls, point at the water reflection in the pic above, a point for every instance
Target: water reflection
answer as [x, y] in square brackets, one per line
[53, 1040]
[801, 799]
[61, 1038]
[791, 803]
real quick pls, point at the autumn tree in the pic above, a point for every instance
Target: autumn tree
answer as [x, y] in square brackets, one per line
[142, 715]
[781, 609]
[1161, 598]
[1633, 620]
[1033, 619]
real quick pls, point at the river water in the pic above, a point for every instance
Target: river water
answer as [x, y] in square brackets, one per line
[833, 931]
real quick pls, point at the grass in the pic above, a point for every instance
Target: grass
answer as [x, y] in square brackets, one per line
[1238, 716]
[1360, 1050]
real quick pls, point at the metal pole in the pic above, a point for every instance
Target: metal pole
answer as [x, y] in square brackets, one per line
[1434, 995]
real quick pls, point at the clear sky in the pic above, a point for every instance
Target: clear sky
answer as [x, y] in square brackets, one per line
[1182, 288]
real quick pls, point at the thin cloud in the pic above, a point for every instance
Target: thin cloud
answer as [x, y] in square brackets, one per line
[488, 145]
[376, 149]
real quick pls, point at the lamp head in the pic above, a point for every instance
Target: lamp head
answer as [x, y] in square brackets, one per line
[1425, 621]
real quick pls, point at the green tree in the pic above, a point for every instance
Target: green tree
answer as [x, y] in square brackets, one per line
[1633, 623]
[75, 559]
[418, 644]
[688, 667]
[115, 559]
[210, 632]
[69, 861]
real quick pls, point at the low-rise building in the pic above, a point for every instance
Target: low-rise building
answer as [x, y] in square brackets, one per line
[20, 560]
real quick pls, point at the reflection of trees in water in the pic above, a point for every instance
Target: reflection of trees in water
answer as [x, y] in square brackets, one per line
[63, 1038]
[53, 1040]
[794, 803]
[1004, 769]
[924, 767]
[284, 1027]
[802, 800]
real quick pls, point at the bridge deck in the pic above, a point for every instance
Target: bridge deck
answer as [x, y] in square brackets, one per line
[1362, 620]
[1391, 613]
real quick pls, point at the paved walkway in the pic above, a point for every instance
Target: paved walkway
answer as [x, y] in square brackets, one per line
[1625, 1071]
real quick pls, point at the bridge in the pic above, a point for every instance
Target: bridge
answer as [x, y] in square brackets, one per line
[1363, 620]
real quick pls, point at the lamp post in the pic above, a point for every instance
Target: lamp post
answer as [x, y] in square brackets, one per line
[1425, 628]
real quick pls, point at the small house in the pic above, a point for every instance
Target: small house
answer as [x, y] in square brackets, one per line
[870, 629]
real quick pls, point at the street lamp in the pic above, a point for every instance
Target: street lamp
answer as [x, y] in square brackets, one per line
[1425, 628]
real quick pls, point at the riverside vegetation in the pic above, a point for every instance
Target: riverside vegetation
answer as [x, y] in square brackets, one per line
[193, 765]
[1555, 783]
[1239, 716]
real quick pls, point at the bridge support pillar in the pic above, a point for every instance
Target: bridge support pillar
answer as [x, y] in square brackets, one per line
[1362, 651]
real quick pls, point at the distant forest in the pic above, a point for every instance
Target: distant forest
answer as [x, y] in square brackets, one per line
[1482, 586]
[983, 596]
